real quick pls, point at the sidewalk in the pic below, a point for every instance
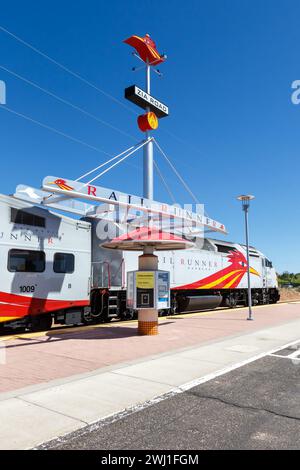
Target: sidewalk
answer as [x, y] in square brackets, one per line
[55, 384]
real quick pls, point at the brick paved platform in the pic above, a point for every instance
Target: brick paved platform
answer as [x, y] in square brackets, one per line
[39, 358]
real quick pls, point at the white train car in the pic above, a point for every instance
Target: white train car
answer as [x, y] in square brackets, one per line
[45, 265]
[53, 267]
[213, 273]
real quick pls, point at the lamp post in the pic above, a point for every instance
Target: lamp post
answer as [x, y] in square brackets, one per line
[246, 198]
[148, 149]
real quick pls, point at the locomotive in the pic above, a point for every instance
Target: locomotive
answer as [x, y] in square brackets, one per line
[55, 270]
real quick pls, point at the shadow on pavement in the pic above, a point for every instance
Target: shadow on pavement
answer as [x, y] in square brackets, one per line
[91, 333]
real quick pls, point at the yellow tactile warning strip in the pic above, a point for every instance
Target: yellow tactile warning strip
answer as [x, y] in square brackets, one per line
[148, 328]
[65, 330]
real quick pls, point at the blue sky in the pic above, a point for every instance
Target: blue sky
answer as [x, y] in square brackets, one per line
[232, 127]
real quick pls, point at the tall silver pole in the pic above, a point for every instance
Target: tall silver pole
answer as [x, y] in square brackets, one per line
[148, 151]
[246, 209]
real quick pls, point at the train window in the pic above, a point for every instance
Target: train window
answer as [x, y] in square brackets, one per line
[207, 245]
[269, 263]
[224, 248]
[28, 261]
[26, 218]
[64, 263]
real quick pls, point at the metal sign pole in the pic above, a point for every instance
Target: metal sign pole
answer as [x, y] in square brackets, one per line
[246, 204]
[246, 208]
[148, 150]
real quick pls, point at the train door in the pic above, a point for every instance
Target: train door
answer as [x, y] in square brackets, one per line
[269, 273]
[264, 272]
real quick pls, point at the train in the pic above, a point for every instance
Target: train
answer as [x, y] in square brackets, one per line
[55, 271]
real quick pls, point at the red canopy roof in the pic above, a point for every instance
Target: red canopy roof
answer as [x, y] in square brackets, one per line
[151, 236]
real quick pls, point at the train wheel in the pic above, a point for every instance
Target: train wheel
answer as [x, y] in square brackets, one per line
[101, 318]
[41, 322]
[129, 314]
[126, 315]
[86, 317]
[229, 301]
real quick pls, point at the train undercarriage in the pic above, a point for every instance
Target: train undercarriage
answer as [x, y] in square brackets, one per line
[106, 305]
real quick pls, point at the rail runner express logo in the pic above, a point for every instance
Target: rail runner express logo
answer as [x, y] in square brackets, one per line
[229, 277]
[62, 184]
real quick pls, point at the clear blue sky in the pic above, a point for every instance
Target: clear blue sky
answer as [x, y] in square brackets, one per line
[227, 82]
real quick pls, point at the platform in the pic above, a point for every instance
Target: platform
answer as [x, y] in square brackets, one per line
[56, 382]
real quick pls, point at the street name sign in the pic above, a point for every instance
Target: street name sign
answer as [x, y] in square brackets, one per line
[142, 99]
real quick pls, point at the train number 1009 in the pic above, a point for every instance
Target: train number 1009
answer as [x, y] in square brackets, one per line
[27, 288]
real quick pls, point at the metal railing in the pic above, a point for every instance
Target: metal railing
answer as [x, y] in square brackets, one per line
[102, 275]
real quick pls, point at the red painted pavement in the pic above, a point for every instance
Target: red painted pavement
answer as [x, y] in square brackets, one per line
[53, 356]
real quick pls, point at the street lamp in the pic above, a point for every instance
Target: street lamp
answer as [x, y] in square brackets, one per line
[246, 198]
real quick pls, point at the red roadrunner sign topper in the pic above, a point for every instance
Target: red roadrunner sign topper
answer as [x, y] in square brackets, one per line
[146, 49]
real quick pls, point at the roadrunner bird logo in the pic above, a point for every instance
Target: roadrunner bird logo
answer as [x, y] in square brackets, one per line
[62, 184]
[229, 277]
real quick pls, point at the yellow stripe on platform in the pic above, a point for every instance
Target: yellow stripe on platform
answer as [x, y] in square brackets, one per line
[75, 329]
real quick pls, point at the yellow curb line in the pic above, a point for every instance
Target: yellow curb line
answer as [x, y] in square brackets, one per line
[63, 331]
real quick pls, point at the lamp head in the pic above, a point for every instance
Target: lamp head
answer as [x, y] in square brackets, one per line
[245, 198]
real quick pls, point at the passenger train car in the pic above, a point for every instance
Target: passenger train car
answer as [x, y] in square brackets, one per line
[53, 268]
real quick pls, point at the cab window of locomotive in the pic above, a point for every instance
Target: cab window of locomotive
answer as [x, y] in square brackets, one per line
[224, 248]
[26, 261]
[64, 263]
[206, 245]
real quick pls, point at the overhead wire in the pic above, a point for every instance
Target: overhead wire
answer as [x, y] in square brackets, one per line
[74, 139]
[97, 88]
[106, 163]
[66, 69]
[81, 78]
[164, 182]
[66, 102]
[53, 129]
[131, 150]
[117, 163]
[177, 173]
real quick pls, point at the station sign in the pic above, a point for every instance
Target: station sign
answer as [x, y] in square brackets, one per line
[79, 190]
[148, 289]
[142, 99]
